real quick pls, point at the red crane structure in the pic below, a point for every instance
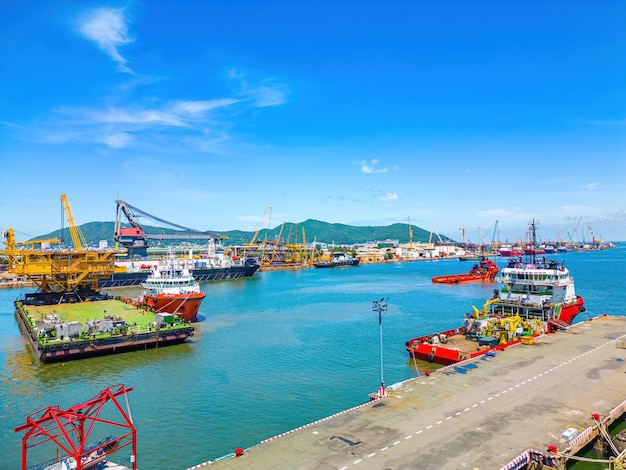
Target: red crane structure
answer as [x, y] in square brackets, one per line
[70, 431]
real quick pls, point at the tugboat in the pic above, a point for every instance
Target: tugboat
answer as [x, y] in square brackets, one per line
[537, 296]
[172, 289]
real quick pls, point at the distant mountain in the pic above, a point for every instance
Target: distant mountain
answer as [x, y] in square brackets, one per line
[322, 232]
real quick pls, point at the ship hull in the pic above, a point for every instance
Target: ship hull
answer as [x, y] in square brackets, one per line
[337, 264]
[185, 305]
[130, 279]
[458, 347]
[423, 349]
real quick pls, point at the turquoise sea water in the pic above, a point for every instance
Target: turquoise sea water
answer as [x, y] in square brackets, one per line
[270, 354]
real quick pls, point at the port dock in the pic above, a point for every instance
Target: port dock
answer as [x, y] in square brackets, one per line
[494, 412]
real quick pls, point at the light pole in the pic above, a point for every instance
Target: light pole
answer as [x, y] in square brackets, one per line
[380, 307]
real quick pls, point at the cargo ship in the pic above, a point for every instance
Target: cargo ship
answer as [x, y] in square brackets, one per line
[136, 272]
[537, 296]
[210, 265]
[172, 289]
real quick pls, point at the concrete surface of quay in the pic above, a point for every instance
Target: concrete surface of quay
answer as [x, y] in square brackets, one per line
[523, 398]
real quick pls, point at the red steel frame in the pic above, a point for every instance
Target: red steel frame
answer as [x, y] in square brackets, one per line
[70, 429]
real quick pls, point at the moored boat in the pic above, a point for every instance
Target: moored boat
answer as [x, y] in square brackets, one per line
[338, 259]
[134, 273]
[537, 296]
[486, 270]
[508, 250]
[93, 457]
[172, 289]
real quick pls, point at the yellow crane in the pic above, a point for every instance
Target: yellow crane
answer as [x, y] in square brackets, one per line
[462, 229]
[594, 240]
[266, 216]
[276, 247]
[78, 239]
[59, 270]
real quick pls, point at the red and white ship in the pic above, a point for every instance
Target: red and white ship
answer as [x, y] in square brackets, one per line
[171, 288]
[537, 296]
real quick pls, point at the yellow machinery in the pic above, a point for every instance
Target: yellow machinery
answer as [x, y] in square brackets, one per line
[57, 270]
[78, 239]
[267, 215]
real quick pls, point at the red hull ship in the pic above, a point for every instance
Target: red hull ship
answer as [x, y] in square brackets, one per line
[187, 306]
[172, 290]
[537, 297]
[486, 270]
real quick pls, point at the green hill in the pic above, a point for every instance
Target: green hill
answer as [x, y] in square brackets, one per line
[322, 232]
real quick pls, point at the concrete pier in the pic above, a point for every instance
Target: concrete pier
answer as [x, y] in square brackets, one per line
[483, 414]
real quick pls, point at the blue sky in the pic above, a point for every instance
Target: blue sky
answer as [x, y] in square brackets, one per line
[205, 113]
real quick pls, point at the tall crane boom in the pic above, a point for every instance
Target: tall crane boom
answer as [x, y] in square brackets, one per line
[267, 215]
[78, 239]
[136, 240]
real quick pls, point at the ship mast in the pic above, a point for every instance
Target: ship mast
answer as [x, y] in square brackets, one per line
[533, 241]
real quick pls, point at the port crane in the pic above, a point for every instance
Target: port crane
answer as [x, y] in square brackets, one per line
[266, 216]
[59, 271]
[70, 431]
[135, 239]
[78, 239]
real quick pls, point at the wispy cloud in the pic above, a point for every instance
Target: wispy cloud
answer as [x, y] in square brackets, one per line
[119, 127]
[262, 93]
[370, 167]
[590, 186]
[119, 140]
[389, 197]
[108, 28]
[173, 113]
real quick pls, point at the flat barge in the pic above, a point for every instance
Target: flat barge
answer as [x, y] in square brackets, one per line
[62, 328]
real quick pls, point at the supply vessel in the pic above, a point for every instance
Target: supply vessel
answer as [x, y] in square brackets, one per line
[537, 296]
[485, 270]
[172, 289]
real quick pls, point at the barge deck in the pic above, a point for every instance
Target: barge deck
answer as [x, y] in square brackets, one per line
[76, 330]
[487, 413]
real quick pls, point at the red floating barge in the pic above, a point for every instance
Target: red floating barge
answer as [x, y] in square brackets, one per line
[486, 270]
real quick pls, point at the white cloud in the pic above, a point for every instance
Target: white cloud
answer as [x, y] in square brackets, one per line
[107, 27]
[370, 167]
[591, 186]
[119, 140]
[174, 113]
[263, 94]
[389, 197]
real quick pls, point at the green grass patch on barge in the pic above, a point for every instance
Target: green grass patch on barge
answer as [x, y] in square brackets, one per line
[122, 319]
[91, 311]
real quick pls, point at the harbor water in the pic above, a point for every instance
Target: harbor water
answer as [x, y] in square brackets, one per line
[270, 353]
